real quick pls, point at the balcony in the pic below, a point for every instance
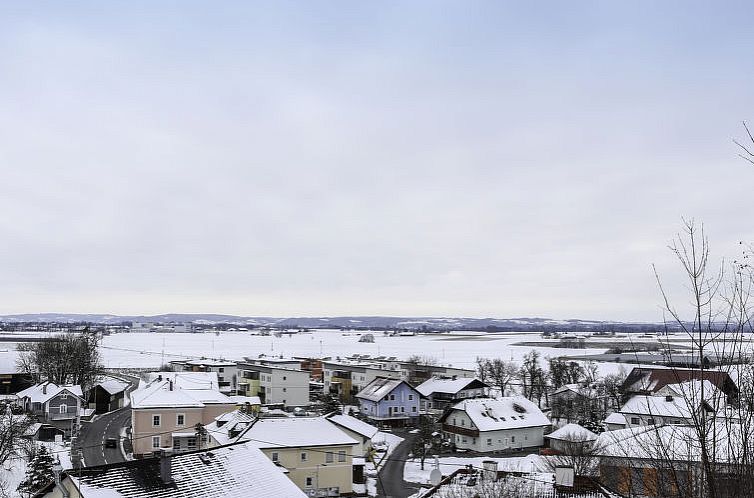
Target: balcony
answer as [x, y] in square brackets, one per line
[463, 431]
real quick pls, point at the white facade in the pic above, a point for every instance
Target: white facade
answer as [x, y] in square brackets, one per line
[495, 440]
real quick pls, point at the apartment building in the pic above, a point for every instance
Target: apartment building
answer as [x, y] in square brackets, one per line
[345, 378]
[166, 410]
[274, 384]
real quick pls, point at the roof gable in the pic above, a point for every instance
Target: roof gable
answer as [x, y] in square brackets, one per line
[381, 387]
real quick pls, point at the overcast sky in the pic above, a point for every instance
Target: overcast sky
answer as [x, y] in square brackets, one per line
[403, 158]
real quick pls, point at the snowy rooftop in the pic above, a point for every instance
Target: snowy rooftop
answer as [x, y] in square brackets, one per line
[379, 388]
[240, 400]
[296, 432]
[573, 432]
[41, 393]
[113, 386]
[616, 418]
[186, 380]
[354, 424]
[159, 393]
[448, 386]
[234, 471]
[662, 406]
[677, 442]
[503, 413]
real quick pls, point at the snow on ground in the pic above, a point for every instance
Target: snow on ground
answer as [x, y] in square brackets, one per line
[412, 469]
[14, 469]
[146, 350]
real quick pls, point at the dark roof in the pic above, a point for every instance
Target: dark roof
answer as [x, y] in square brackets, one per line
[651, 380]
[232, 470]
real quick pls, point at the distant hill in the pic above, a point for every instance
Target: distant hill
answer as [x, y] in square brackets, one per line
[355, 322]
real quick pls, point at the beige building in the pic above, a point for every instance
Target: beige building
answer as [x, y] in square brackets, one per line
[165, 412]
[316, 453]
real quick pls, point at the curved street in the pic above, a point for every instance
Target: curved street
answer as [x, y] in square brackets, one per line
[390, 483]
[94, 434]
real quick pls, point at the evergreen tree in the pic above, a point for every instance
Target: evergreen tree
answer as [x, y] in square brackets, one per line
[38, 473]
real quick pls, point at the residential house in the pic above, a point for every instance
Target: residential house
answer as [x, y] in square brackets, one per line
[615, 421]
[648, 380]
[487, 425]
[107, 394]
[317, 454]
[58, 406]
[313, 366]
[389, 401]
[165, 412]
[227, 371]
[574, 401]
[670, 407]
[274, 384]
[440, 393]
[239, 470]
[357, 429]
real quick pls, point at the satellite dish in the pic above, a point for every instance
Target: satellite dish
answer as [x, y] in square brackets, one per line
[435, 477]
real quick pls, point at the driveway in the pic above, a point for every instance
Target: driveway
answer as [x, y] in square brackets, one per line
[391, 483]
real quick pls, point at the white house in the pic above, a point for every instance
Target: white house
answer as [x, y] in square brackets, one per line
[571, 438]
[486, 424]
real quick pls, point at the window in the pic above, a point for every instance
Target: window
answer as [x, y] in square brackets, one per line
[413, 409]
[454, 421]
[63, 408]
[303, 456]
[155, 420]
[635, 420]
[180, 419]
[463, 439]
[463, 422]
[176, 443]
[191, 443]
[284, 389]
[489, 442]
[392, 397]
[155, 441]
[513, 439]
[309, 481]
[341, 456]
[221, 369]
[329, 457]
[651, 421]
[64, 396]
[410, 397]
[403, 409]
[275, 456]
[284, 377]
[676, 421]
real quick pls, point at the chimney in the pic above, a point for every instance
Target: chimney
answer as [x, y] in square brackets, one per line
[170, 385]
[166, 471]
[44, 388]
[159, 378]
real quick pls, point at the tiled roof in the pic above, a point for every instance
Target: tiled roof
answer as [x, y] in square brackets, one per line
[232, 471]
[380, 387]
[448, 386]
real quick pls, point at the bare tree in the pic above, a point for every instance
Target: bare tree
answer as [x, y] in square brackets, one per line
[71, 358]
[711, 453]
[499, 372]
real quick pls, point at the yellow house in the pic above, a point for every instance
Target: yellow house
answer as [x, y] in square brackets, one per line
[316, 453]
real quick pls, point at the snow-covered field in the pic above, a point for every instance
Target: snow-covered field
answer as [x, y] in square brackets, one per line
[149, 350]
[459, 349]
